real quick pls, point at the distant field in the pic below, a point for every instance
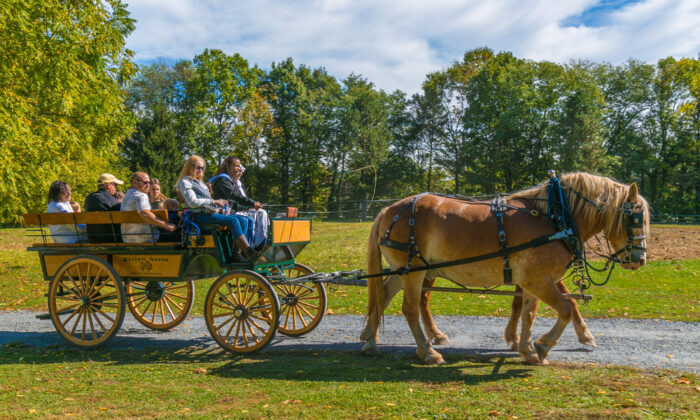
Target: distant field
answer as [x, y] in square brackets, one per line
[664, 289]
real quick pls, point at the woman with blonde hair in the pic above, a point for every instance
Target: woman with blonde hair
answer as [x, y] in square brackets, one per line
[207, 211]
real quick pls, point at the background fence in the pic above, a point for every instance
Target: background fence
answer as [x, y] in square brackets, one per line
[366, 210]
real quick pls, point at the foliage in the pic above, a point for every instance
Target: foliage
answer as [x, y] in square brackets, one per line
[61, 103]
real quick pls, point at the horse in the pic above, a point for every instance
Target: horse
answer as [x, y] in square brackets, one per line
[446, 229]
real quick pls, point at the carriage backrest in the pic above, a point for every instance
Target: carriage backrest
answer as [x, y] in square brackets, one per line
[89, 217]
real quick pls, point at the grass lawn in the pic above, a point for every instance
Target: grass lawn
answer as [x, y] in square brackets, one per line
[661, 289]
[101, 383]
[153, 384]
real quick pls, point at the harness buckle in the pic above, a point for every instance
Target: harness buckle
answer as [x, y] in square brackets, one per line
[411, 222]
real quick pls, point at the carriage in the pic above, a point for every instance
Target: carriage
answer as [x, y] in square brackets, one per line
[92, 284]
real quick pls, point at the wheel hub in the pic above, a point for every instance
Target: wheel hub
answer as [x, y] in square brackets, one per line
[240, 312]
[155, 290]
[291, 299]
[85, 301]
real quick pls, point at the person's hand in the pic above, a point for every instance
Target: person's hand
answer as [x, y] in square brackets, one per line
[220, 202]
[257, 205]
[170, 227]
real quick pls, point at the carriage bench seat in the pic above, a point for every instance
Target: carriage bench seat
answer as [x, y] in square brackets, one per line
[92, 217]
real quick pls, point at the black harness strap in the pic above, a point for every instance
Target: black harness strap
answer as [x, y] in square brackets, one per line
[498, 206]
[542, 240]
[410, 248]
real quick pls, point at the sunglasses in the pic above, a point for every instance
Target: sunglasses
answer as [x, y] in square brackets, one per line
[144, 182]
[199, 168]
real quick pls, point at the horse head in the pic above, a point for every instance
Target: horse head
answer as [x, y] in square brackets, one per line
[628, 231]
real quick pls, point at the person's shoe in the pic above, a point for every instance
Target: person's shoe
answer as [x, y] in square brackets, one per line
[247, 252]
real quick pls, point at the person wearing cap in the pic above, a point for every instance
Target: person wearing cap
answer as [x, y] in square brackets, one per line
[136, 199]
[103, 200]
[226, 184]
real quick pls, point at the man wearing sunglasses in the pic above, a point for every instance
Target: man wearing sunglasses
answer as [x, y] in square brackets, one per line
[103, 200]
[136, 199]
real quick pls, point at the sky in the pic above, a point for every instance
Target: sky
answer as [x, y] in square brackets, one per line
[396, 43]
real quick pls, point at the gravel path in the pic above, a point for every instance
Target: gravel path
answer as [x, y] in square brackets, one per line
[642, 343]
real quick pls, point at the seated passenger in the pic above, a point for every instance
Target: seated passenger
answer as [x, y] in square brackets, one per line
[207, 211]
[103, 200]
[59, 202]
[136, 199]
[227, 184]
[155, 195]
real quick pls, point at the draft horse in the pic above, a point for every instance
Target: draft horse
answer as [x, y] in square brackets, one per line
[446, 229]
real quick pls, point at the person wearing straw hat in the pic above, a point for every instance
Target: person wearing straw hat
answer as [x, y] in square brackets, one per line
[103, 200]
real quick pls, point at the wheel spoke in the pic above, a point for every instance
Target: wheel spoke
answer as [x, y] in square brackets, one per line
[230, 328]
[63, 324]
[66, 308]
[138, 302]
[92, 284]
[175, 304]
[92, 325]
[250, 329]
[167, 302]
[97, 318]
[77, 321]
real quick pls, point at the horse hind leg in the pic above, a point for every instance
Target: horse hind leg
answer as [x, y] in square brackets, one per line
[412, 287]
[582, 332]
[436, 336]
[529, 304]
[370, 335]
[511, 334]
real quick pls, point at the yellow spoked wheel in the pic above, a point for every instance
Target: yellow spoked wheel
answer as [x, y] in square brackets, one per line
[242, 311]
[160, 305]
[87, 301]
[302, 305]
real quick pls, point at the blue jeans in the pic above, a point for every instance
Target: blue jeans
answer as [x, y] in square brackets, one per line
[239, 225]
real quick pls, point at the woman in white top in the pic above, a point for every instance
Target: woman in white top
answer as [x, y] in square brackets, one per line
[207, 211]
[59, 202]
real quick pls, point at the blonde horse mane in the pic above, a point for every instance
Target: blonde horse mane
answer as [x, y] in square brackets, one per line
[607, 194]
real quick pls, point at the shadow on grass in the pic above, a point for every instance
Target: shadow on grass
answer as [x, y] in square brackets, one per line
[292, 365]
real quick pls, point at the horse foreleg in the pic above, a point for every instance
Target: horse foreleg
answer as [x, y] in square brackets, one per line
[431, 330]
[412, 287]
[511, 333]
[584, 335]
[551, 294]
[529, 305]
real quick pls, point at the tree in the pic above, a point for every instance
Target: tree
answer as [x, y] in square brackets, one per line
[156, 146]
[217, 91]
[62, 66]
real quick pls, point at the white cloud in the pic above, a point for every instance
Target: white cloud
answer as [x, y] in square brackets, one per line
[395, 43]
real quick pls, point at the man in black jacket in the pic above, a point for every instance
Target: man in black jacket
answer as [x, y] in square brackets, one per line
[227, 184]
[103, 200]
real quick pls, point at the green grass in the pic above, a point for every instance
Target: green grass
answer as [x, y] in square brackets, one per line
[301, 384]
[661, 289]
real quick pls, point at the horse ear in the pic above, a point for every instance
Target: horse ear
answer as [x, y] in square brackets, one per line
[632, 196]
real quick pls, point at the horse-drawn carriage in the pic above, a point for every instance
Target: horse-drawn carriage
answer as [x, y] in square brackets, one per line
[92, 284]
[422, 238]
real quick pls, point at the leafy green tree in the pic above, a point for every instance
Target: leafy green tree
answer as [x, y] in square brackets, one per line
[218, 88]
[156, 147]
[62, 65]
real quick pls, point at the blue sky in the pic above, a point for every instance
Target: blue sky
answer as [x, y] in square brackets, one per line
[395, 43]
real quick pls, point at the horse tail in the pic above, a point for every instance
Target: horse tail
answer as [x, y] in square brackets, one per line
[375, 287]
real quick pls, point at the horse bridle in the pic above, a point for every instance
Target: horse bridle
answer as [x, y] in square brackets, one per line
[631, 220]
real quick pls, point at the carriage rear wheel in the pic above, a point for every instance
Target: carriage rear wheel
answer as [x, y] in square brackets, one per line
[242, 311]
[302, 306]
[160, 305]
[87, 301]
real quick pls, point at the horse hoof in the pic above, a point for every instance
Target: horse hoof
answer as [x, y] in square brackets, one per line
[588, 340]
[514, 346]
[369, 350]
[434, 360]
[442, 341]
[532, 359]
[542, 351]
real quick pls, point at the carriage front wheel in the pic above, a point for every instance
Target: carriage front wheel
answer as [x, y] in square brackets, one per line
[87, 301]
[159, 305]
[302, 305]
[242, 311]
